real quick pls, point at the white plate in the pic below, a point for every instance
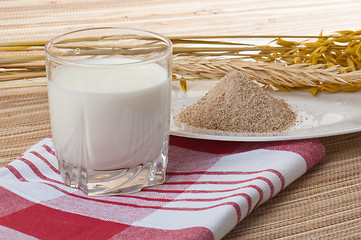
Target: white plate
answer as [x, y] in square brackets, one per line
[325, 114]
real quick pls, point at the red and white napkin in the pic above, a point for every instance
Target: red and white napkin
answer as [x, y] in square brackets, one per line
[211, 186]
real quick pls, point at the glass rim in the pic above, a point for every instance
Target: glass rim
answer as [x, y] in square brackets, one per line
[147, 61]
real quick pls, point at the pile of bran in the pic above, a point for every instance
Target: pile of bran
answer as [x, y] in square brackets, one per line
[237, 104]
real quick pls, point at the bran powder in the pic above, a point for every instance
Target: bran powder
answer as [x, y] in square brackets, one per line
[237, 104]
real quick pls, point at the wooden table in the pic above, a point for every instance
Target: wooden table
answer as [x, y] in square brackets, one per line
[324, 203]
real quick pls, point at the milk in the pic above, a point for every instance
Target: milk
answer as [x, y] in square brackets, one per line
[111, 117]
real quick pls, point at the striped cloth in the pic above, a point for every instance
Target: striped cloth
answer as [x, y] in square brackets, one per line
[211, 186]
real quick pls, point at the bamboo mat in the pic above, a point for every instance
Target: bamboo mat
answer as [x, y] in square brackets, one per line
[323, 204]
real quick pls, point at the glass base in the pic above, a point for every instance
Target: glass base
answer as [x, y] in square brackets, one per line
[113, 182]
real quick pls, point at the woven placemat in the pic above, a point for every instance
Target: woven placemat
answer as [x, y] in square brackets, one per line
[24, 120]
[323, 204]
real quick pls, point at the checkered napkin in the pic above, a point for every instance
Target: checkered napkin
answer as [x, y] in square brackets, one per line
[211, 186]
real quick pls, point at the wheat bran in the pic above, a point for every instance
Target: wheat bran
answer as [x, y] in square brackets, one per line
[236, 104]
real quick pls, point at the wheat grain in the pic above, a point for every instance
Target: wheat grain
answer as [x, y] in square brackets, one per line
[275, 75]
[212, 57]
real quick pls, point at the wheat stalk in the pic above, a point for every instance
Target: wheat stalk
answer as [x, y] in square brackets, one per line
[211, 57]
[275, 75]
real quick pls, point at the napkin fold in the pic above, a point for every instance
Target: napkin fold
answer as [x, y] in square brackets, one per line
[211, 186]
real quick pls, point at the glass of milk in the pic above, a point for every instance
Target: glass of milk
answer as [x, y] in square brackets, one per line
[109, 97]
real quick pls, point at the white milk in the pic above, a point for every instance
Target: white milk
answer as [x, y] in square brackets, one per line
[109, 118]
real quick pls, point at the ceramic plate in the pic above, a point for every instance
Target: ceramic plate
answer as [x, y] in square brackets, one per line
[325, 114]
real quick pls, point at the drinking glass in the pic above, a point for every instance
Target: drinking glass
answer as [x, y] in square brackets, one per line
[109, 99]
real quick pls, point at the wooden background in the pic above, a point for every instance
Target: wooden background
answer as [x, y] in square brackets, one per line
[323, 204]
[40, 20]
